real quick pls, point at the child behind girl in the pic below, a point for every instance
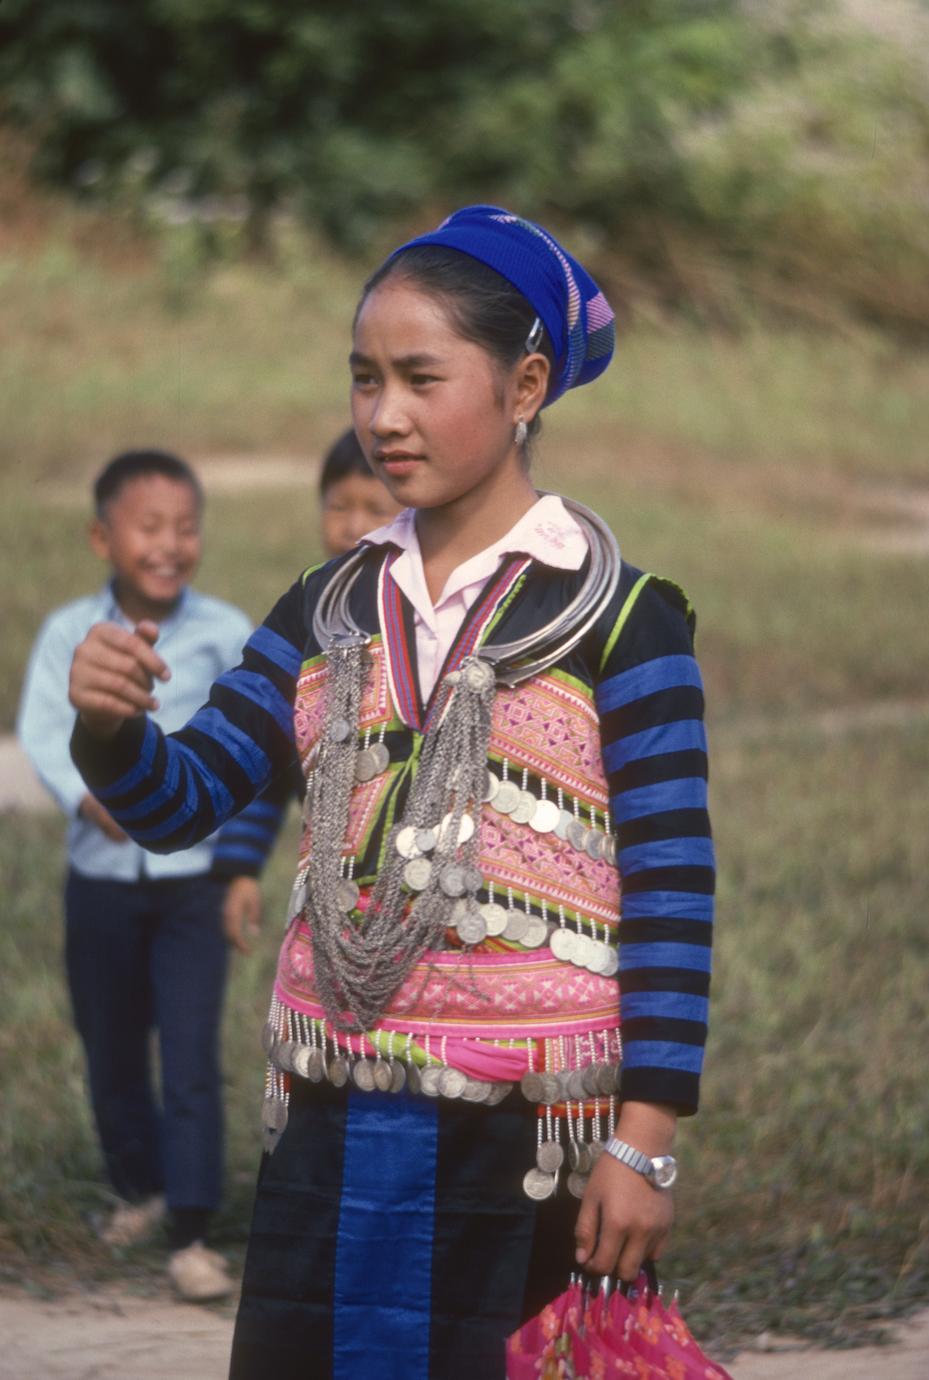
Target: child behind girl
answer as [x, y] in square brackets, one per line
[352, 500]
[475, 1067]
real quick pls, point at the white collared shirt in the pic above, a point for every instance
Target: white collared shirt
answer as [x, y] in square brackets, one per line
[547, 532]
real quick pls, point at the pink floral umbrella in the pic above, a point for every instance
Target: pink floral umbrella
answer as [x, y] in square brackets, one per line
[579, 1337]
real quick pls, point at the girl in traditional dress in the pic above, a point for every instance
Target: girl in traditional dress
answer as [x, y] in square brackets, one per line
[474, 1066]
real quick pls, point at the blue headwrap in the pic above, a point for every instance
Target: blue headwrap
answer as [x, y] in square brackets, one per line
[572, 308]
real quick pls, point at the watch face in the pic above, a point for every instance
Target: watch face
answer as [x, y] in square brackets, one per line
[665, 1171]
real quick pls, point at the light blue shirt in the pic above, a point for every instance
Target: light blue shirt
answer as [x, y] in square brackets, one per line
[202, 638]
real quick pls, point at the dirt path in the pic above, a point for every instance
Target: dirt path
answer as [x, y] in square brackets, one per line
[112, 1335]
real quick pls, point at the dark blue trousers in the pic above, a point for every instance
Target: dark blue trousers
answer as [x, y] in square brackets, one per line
[141, 956]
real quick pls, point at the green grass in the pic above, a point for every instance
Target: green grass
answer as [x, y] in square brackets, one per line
[854, 405]
[806, 1175]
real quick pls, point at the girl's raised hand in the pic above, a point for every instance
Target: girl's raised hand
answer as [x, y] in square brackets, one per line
[112, 676]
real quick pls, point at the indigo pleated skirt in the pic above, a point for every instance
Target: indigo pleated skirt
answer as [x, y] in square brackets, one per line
[392, 1240]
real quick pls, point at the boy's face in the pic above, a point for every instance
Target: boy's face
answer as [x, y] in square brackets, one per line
[351, 507]
[150, 535]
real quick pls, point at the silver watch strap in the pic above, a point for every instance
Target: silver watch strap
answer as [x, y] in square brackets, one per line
[627, 1154]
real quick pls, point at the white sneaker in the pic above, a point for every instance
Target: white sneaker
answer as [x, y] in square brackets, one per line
[132, 1222]
[199, 1274]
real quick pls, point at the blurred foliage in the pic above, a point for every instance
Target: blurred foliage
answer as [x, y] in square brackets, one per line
[703, 149]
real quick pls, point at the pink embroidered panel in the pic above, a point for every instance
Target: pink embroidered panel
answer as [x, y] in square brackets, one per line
[550, 726]
[376, 709]
[310, 705]
[496, 996]
[513, 855]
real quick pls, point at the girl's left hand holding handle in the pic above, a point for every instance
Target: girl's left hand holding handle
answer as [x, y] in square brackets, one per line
[624, 1220]
[112, 676]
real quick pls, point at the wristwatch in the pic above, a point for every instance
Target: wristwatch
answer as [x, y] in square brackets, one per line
[660, 1170]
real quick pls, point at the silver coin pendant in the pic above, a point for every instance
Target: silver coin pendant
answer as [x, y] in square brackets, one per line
[472, 929]
[452, 1082]
[451, 880]
[363, 1075]
[380, 757]
[545, 817]
[562, 945]
[337, 1071]
[549, 1156]
[507, 797]
[495, 918]
[346, 894]
[577, 835]
[517, 922]
[536, 933]
[405, 842]
[538, 1185]
[577, 1183]
[365, 765]
[531, 1086]
[417, 873]
[525, 808]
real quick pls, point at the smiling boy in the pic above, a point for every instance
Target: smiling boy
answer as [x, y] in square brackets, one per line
[146, 936]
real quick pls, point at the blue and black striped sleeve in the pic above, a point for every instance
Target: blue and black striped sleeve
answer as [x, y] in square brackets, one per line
[650, 702]
[244, 843]
[169, 792]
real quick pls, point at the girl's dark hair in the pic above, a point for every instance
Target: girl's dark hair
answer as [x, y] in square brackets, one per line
[344, 457]
[139, 464]
[484, 307]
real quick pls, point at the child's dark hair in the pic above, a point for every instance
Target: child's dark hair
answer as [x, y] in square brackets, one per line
[344, 457]
[483, 306]
[139, 464]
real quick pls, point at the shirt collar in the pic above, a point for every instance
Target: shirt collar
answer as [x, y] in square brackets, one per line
[547, 532]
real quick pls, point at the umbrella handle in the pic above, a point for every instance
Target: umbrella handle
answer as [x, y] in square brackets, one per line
[607, 1282]
[651, 1276]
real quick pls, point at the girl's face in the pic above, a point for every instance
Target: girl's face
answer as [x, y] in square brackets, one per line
[431, 410]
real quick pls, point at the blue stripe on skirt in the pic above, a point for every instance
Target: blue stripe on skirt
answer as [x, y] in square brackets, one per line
[392, 1240]
[383, 1258]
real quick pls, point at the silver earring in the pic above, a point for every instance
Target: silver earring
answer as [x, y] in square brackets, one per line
[520, 433]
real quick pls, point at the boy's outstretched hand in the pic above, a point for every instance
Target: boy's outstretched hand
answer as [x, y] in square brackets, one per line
[242, 913]
[112, 676]
[91, 809]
